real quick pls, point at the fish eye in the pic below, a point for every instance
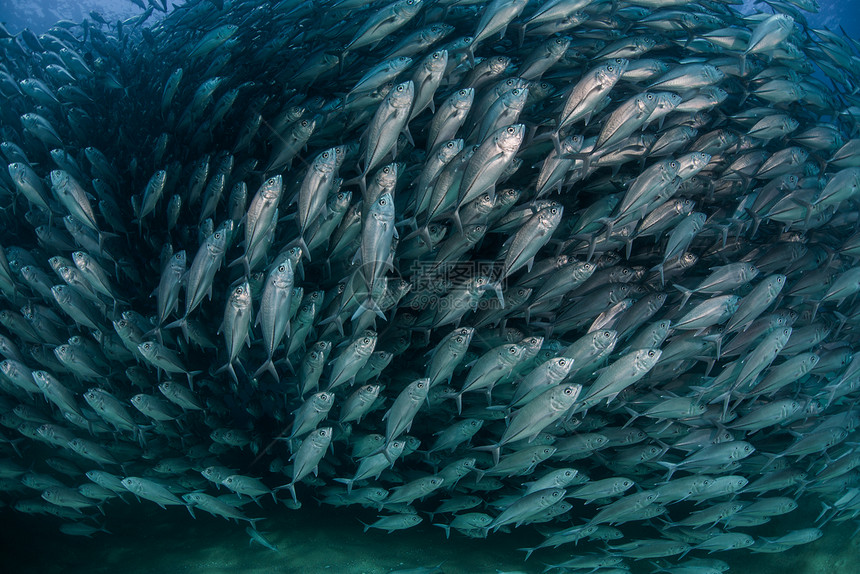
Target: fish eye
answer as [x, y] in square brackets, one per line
[650, 353]
[568, 391]
[459, 339]
[463, 92]
[609, 68]
[341, 195]
[218, 235]
[367, 340]
[282, 268]
[512, 350]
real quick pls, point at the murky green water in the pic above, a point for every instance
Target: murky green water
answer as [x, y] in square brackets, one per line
[148, 540]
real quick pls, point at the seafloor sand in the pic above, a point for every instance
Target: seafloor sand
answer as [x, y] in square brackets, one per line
[148, 540]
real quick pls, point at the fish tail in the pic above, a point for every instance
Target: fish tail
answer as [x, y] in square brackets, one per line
[182, 324]
[521, 35]
[528, 552]
[660, 269]
[411, 222]
[495, 449]
[286, 361]
[824, 509]
[455, 215]
[156, 331]
[458, 398]
[672, 466]
[686, 292]
[496, 287]
[556, 141]
[238, 260]
[267, 366]
[608, 222]
[592, 244]
[348, 482]
[191, 374]
[254, 521]
[445, 527]
[771, 459]
[815, 305]
[633, 416]
[368, 305]
[229, 368]
[304, 247]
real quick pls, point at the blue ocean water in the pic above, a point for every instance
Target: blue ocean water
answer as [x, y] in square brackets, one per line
[146, 539]
[39, 15]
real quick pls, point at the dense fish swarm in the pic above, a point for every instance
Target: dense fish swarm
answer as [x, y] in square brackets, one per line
[581, 267]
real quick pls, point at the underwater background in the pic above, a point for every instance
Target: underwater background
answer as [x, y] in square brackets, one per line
[321, 538]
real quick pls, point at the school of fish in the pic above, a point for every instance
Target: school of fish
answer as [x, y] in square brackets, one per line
[580, 267]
